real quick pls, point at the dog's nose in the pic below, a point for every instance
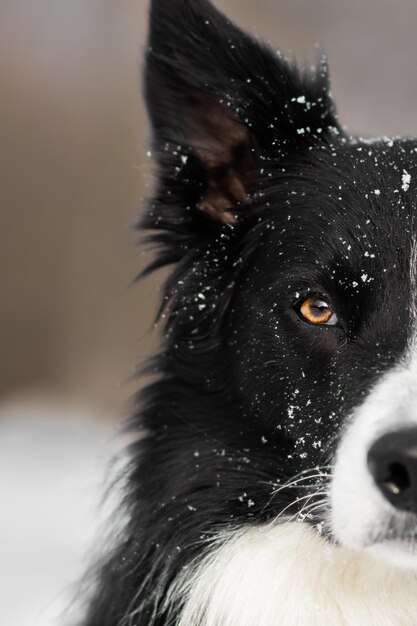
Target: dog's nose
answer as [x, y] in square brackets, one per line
[392, 461]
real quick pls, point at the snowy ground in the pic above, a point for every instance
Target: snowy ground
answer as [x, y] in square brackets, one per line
[51, 471]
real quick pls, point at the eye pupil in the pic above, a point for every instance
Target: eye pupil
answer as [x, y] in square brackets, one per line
[320, 306]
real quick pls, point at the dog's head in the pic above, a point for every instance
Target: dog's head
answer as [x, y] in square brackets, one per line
[295, 291]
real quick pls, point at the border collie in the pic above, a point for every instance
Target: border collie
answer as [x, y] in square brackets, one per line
[273, 481]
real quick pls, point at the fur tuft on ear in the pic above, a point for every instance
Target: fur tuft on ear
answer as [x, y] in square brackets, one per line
[223, 107]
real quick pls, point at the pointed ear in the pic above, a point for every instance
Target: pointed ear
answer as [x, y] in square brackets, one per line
[222, 106]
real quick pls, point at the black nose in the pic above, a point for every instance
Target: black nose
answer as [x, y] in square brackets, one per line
[392, 461]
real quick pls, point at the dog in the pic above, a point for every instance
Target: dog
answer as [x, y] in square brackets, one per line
[275, 483]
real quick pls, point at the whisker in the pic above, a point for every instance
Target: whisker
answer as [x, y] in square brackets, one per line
[312, 508]
[316, 468]
[317, 475]
[298, 500]
[294, 483]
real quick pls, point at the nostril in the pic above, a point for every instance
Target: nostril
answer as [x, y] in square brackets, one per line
[397, 479]
[392, 462]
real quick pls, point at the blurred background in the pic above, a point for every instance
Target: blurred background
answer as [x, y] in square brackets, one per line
[73, 177]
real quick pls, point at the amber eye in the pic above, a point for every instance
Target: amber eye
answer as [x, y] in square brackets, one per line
[317, 310]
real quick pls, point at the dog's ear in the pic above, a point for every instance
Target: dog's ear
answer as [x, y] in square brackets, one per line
[222, 106]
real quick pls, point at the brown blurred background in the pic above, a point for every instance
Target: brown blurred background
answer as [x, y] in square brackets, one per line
[73, 177]
[73, 167]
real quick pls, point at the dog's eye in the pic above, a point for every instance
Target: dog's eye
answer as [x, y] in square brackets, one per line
[316, 310]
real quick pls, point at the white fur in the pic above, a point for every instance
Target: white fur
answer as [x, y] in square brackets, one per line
[358, 510]
[286, 575]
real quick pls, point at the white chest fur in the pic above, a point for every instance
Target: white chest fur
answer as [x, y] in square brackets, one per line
[286, 575]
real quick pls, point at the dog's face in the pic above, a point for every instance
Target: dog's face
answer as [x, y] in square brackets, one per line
[325, 344]
[298, 264]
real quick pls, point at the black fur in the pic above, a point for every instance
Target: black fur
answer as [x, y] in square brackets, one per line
[247, 394]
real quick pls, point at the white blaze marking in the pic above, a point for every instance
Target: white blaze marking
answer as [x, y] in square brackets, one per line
[358, 509]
